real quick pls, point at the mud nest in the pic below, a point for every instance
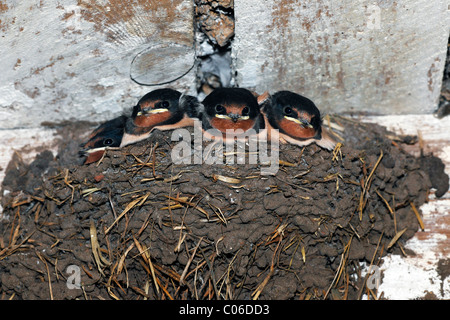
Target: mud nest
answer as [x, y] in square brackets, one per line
[137, 226]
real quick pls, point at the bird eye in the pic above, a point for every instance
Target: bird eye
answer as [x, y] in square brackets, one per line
[287, 111]
[108, 142]
[165, 104]
[220, 109]
[245, 111]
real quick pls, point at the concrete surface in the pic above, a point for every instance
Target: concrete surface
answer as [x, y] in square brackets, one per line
[71, 59]
[383, 56]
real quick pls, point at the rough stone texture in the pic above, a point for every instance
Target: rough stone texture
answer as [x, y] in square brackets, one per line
[382, 56]
[215, 19]
[71, 59]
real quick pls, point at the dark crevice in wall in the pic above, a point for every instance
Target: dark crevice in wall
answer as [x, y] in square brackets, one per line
[214, 23]
[444, 99]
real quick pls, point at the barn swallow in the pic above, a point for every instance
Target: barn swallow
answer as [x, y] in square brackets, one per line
[230, 109]
[108, 134]
[297, 118]
[162, 109]
[115, 133]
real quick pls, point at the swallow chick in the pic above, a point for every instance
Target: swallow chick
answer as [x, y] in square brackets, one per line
[230, 109]
[297, 118]
[108, 134]
[162, 109]
[115, 133]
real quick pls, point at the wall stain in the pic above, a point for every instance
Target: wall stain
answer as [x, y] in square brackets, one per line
[3, 6]
[301, 44]
[430, 74]
[121, 20]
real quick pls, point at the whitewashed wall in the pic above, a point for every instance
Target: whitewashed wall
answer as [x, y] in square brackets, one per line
[71, 59]
[379, 56]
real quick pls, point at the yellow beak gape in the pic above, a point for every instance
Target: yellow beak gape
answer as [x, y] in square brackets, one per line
[224, 116]
[303, 124]
[158, 110]
[151, 111]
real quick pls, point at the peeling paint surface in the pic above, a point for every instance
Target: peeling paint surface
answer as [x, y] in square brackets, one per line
[413, 276]
[69, 59]
[377, 57]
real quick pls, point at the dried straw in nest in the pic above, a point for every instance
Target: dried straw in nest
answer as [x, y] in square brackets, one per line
[140, 227]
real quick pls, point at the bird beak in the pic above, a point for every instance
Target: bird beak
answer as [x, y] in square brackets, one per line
[232, 116]
[303, 123]
[84, 148]
[152, 111]
[222, 116]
